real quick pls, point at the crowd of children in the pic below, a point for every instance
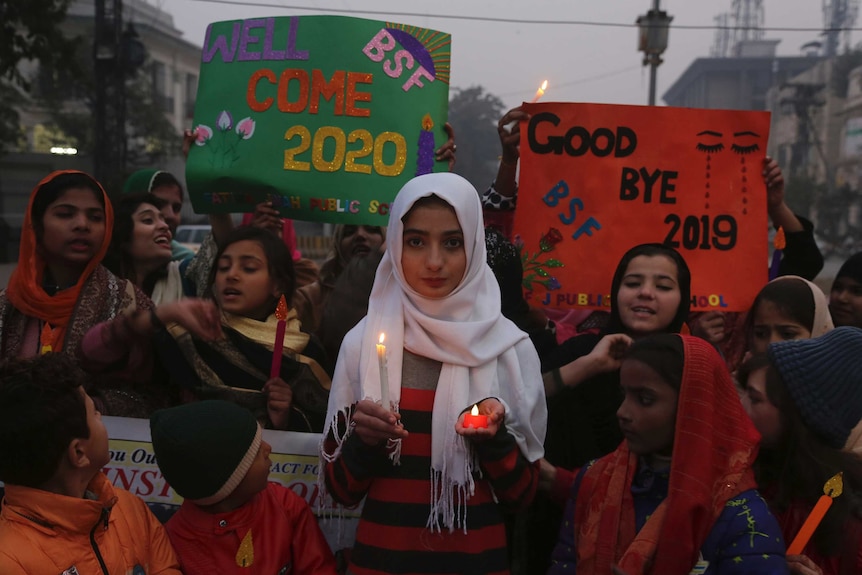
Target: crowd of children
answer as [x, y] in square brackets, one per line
[653, 441]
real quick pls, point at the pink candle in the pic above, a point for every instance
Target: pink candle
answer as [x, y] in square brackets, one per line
[281, 316]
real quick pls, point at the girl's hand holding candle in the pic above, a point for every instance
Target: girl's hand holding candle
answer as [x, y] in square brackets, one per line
[482, 420]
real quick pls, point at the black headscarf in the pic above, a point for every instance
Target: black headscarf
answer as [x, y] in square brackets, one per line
[615, 324]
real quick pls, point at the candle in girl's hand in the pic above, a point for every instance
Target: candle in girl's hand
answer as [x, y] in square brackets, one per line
[540, 92]
[384, 373]
[277, 349]
[832, 489]
[474, 420]
[779, 243]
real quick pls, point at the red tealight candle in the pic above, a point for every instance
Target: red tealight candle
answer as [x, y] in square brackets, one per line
[474, 420]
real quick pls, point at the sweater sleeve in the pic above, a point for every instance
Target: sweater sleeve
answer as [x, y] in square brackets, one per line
[802, 257]
[493, 200]
[349, 476]
[745, 538]
[513, 478]
[112, 346]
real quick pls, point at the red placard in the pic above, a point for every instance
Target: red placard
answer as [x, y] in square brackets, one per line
[599, 179]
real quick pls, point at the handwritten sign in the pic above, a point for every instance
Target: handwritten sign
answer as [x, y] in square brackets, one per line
[597, 180]
[324, 116]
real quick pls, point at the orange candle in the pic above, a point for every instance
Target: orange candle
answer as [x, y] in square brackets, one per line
[832, 489]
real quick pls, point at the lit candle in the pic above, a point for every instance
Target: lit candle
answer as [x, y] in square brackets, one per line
[425, 159]
[384, 373]
[832, 489]
[540, 92]
[474, 420]
[277, 349]
[779, 243]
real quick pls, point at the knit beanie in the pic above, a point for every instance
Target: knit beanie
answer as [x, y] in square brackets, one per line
[141, 181]
[852, 268]
[824, 378]
[204, 449]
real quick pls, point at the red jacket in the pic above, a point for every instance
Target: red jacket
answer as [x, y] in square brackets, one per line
[43, 532]
[281, 536]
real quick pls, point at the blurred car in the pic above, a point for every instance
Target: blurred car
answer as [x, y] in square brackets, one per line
[192, 236]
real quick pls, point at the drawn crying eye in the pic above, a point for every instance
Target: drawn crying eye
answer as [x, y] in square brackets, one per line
[710, 148]
[710, 136]
[742, 150]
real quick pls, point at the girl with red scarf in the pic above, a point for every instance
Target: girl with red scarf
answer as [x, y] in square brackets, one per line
[678, 495]
[59, 289]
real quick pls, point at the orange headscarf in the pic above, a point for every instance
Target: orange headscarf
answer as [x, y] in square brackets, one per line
[25, 289]
[715, 444]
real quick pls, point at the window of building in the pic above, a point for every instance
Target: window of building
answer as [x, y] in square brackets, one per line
[162, 88]
[191, 94]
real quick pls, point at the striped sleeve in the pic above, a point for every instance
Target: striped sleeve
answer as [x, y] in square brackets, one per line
[513, 478]
[350, 475]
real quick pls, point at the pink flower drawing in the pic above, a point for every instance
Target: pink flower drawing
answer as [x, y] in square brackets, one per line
[204, 133]
[245, 128]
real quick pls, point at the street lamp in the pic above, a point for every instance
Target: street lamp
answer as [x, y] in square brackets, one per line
[652, 41]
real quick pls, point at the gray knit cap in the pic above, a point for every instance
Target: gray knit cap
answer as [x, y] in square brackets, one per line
[824, 378]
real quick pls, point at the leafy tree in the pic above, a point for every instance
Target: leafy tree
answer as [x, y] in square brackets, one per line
[29, 30]
[70, 98]
[474, 113]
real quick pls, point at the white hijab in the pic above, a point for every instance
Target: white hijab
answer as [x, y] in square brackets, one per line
[483, 353]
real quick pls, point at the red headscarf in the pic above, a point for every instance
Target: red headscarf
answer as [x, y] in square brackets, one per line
[715, 444]
[25, 289]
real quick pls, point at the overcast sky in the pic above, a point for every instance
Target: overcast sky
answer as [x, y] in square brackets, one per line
[582, 63]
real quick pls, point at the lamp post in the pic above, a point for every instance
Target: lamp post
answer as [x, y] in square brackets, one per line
[652, 41]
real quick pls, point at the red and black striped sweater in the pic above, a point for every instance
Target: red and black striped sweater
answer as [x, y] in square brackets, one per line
[392, 536]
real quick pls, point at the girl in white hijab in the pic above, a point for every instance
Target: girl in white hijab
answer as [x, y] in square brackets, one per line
[448, 348]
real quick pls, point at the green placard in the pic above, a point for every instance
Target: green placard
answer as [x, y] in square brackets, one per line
[325, 116]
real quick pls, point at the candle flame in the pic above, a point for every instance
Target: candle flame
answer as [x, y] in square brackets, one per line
[835, 486]
[475, 410]
[281, 309]
[779, 242]
[427, 122]
[382, 337]
[544, 86]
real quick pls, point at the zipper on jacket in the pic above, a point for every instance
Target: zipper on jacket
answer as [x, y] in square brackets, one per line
[106, 513]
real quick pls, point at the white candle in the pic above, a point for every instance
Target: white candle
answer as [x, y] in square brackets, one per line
[384, 374]
[540, 92]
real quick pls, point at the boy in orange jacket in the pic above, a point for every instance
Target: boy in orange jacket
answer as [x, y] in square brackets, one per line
[61, 514]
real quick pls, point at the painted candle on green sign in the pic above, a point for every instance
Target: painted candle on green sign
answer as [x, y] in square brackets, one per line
[325, 116]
